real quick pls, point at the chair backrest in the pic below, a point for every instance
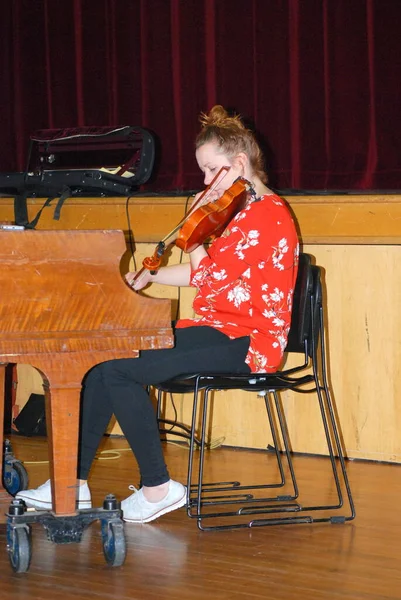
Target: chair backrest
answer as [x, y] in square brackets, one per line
[317, 307]
[301, 307]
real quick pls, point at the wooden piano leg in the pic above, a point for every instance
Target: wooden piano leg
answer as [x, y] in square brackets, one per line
[5, 497]
[62, 421]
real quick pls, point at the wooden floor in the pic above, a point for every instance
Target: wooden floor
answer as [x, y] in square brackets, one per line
[172, 559]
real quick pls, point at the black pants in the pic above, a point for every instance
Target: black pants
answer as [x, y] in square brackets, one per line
[117, 387]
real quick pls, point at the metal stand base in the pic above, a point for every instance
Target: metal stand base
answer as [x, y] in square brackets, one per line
[64, 530]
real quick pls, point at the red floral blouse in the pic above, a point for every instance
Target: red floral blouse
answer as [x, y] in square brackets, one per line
[246, 283]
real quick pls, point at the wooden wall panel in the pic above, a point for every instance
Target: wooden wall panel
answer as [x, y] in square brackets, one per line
[355, 219]
[355, 239]
[363, 318]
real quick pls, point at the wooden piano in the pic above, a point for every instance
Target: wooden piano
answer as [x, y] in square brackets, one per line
[64, 307]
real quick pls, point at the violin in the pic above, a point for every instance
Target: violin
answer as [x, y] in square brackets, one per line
[202, 222]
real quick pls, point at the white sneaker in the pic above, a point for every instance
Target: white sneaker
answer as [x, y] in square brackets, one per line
[136, 509]
[41, 497]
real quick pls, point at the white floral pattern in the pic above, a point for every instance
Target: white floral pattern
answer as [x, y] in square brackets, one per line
[238, 295]
[245, 285]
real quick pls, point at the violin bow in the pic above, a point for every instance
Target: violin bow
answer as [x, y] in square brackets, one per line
[152, 263]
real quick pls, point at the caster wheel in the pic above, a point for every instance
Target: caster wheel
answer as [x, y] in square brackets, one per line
[19, 549]
[15, 477]
[113, 538]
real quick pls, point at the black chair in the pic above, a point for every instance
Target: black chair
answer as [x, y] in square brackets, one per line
[228, 505]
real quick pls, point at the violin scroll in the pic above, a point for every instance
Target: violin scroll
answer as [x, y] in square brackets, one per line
[152, 263]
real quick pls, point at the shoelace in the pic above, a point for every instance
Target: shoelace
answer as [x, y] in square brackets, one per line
[131, 498]
[134, 489]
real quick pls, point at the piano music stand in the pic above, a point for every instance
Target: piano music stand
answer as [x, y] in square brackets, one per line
[64, 307]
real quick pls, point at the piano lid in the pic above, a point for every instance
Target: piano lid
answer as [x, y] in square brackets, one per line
[62, 291]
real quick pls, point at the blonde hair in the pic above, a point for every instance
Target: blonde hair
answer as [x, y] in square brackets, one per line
[231, 137]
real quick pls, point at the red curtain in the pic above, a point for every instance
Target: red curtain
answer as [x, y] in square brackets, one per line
[318, 79]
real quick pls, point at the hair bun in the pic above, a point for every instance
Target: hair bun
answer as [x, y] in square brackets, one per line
[219, 117]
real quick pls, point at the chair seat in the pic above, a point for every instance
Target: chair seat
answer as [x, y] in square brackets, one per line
[248, 381]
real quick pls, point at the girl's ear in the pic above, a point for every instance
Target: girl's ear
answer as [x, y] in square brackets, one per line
[241, 161]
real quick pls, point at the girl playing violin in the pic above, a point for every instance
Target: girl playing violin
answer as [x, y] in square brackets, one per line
[244, 280]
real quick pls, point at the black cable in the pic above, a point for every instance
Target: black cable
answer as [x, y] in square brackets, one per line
[130, 235]
[175, 420]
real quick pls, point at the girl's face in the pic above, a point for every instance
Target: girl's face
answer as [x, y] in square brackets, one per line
[210, 161]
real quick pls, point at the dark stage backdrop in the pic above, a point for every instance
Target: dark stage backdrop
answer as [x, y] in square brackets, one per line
[319, 79]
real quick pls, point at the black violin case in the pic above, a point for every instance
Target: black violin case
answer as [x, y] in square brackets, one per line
[84, 161]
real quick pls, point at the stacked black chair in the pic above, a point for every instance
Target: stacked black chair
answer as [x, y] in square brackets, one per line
[228, 505]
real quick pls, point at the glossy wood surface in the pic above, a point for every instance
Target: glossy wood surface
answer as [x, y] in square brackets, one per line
[170, 558]
[64, 308]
